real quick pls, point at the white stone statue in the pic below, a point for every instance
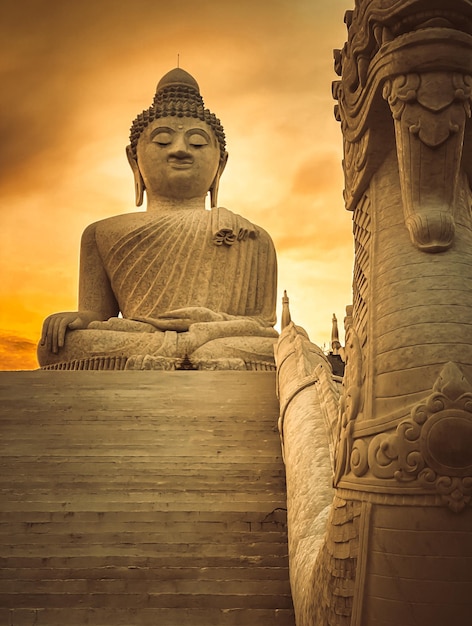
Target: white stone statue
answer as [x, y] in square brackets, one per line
[177, 283]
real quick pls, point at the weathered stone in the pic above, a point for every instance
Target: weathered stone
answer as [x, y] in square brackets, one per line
[122, 505]
[396, 548]
[188, 283]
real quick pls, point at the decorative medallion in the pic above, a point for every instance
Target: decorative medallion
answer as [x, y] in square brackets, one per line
[434, 445]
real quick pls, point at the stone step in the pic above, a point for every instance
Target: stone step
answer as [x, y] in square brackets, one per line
[233, 433]
[265, 518]
[158, 586]
[143, 393]
[111, 469]
[256, 548]
[125, 413]
[116, 493]
[121, 523]
[113, 451]
[149, 600]
[130, 493]
[128, 502]
[101, 485]
[127, 418]
[143, 479]
[92, 465]
[156, 445]
[170, 573]
[99, 505]
[83, 417]
[145, 616]
[136, 562]
[168, 537]
[124, 525]
[186, 464]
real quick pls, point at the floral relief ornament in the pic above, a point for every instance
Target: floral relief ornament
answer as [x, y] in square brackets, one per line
[434, 445]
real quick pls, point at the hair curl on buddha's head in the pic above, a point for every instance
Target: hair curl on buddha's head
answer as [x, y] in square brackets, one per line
[177, 94]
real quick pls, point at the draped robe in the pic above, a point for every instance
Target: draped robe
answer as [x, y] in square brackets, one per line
[214, 259]
[156, 263]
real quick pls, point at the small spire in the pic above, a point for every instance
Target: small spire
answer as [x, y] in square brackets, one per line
[178, 60]
[286, 318]
[335, 343]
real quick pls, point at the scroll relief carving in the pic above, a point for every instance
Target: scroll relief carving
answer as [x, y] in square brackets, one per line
[430, 111]
[365, 147]
[433, 446]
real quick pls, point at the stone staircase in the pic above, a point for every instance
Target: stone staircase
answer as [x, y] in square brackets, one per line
[142, 498]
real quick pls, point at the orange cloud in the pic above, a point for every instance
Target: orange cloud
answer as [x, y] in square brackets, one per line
[74, 77]
[17, 353]
[318, 174]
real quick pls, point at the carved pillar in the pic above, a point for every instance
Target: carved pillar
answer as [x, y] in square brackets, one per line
[397, 543]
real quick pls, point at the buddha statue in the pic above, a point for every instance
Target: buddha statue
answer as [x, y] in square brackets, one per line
[175, 284]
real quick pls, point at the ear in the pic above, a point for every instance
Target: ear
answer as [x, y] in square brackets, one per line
[216, 182]
[138, 179]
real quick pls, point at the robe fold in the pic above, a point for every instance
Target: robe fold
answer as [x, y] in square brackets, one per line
[214, 259]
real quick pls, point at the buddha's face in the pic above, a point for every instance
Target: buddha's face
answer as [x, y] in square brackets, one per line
[178, 157]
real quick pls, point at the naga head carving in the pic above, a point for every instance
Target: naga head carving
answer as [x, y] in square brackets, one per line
[406, 84]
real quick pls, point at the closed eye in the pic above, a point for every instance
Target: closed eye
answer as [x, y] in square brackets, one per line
[162, 136]
[196, 140]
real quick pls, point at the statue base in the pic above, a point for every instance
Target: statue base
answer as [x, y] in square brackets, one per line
[149, 362]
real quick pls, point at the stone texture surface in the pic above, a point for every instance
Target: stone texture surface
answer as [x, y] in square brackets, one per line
[308, 397]
[139, 498]
[398, 542]
[409, 327]
[176, 281]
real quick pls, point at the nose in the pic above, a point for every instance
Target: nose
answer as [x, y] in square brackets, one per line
[180, 147]
[179, 154]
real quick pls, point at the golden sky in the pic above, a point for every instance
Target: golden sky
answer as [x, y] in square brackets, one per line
[75, 74]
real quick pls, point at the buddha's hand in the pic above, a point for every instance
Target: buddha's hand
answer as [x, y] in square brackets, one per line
[55, 327]
[180, 320]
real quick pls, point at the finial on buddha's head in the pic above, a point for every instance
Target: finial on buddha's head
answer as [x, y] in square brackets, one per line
[177, 94]
[177, 78]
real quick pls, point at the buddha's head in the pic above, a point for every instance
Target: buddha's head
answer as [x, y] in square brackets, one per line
[177, 147]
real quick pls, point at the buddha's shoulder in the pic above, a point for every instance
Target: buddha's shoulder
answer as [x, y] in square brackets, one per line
[118, 223]
[240, 222]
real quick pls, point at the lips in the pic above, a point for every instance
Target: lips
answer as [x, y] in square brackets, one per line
[180, 164]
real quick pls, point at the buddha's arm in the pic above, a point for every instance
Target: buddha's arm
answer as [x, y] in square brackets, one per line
[95, 291]
[96, 298]
[183, 319]
[218, 327]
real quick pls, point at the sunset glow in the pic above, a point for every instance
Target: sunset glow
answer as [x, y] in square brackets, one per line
[74, 76]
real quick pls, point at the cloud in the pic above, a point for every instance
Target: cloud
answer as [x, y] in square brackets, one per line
[17, 353]
[318, 174]
[73, 78]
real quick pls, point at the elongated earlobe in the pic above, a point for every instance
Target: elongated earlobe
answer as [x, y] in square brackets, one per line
[214, 192]
[138, 179]
[216, 182]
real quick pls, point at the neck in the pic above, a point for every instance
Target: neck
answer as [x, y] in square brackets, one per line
[160, 204]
